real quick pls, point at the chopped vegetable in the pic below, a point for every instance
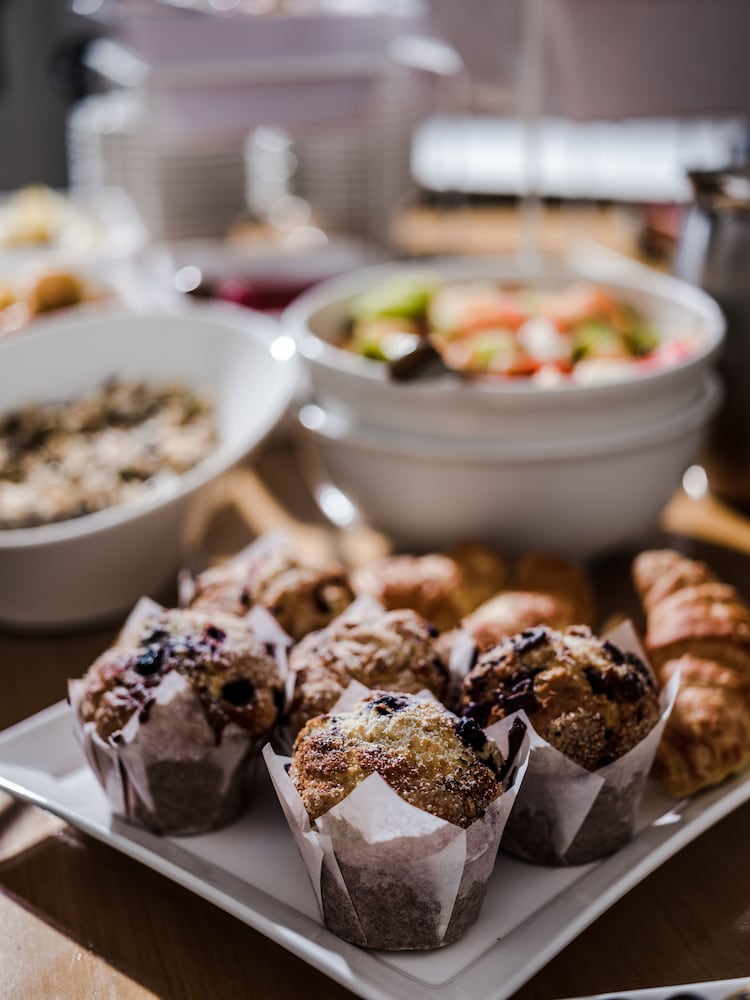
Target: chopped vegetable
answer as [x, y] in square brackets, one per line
[581, 332]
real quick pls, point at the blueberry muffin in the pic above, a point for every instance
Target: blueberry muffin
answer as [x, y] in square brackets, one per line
[388, 879]
[592, 703]
[302, 594]
[176, 709]
[393, 650]
[586, 697]
[434, 760]
[441, 587]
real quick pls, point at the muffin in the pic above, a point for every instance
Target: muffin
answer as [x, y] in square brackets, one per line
[442, 588]
[434, 760]
[582, 694]
[392, 650]
[406, 804]
[597, 719]
[170, 715]
[302, 594]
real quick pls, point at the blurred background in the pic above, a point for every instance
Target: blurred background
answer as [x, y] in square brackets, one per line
[400, 126]
[246, 149]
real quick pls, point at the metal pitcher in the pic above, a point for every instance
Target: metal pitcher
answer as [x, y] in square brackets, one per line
[714, 252]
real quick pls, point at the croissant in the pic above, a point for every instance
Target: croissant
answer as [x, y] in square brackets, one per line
[700, 626]
[548, 590]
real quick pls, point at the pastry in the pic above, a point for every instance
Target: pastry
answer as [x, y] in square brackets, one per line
[543, 589]
[434, 761]
[170, 715]
[582, 694]
[398, 808]
[567, 583]
[596, 719]
[441, 587]
[392, 650]
[302, 594]
[701, 627]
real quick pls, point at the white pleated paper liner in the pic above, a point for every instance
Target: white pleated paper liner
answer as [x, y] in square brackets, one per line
[387, 874]
[165, 769]
[566, 815]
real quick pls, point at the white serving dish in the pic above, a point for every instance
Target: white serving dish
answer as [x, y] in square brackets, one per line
[580, 496]
[94, 567]
[448, 407]
[718, 989]
[252, 870]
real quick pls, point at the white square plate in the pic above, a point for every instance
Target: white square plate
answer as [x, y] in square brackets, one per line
[252, 870]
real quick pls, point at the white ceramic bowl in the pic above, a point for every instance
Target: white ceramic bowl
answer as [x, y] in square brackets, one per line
[590, 494]
[92, 568]
[447, 407]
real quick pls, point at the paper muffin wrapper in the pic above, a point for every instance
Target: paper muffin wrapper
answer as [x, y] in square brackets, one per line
[168, 774]
[566, 815]
[166, 770]
[387, 874]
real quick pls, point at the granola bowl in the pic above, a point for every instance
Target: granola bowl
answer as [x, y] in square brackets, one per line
[92, 566]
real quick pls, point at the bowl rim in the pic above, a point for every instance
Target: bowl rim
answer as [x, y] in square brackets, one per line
[335, 428]
[258, 327]
[607, 268]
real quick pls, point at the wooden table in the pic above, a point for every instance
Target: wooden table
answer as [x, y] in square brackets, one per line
[79, 920]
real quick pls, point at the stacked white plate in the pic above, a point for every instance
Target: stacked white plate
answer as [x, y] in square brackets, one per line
[183, 184]
[354, 173]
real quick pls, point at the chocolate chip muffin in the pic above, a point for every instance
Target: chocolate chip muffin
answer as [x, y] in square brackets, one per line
[392, 650]
[584, 695]
[302, 594]
[169, 717]
[434, 760]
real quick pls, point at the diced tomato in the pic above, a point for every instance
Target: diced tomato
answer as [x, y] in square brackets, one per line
[522, 366]
[505, 312]
[672, 352]
[577, 304]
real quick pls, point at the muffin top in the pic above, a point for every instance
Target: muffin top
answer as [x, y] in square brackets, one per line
[302, 594]
[432, 759]
[231, 671]
[392, 650]
[584, 695]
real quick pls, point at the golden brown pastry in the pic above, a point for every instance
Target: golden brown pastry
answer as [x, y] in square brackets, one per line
[441, 587]
[435, 761]
[701, 627]
[660, 572]
[584, 695]
[232, 673]
[302, 595]
[56, 290]
[708, 734]
[568, 583]
[390, 650]
[547, 590]
[513, 611]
